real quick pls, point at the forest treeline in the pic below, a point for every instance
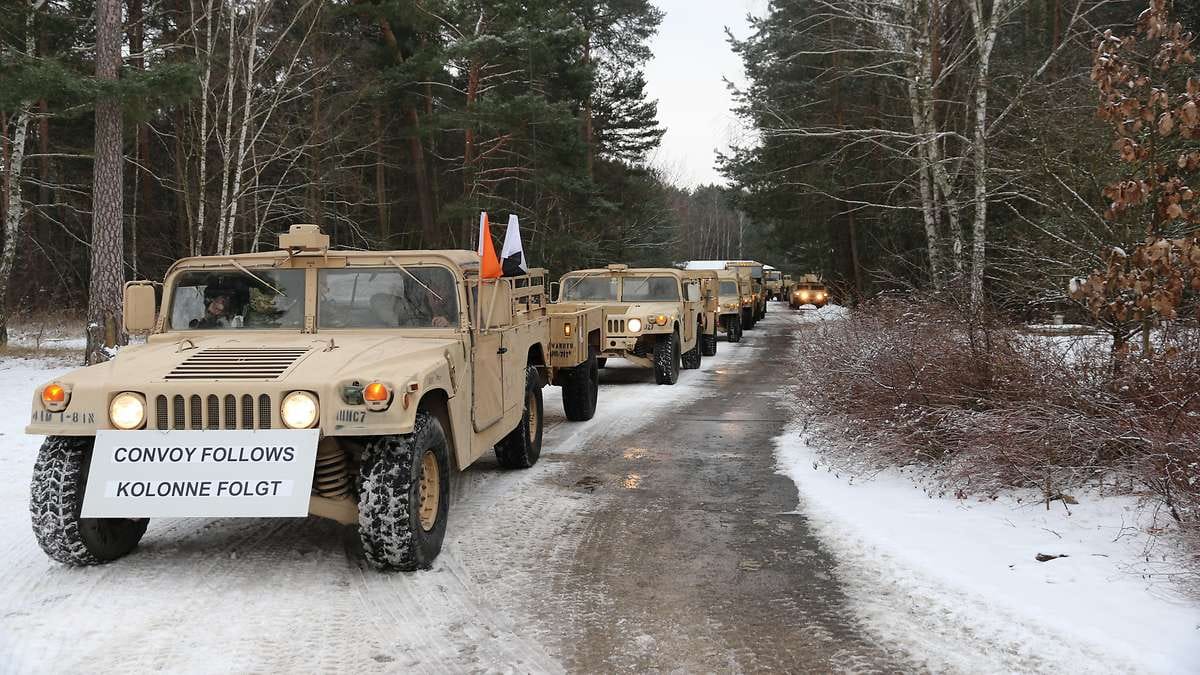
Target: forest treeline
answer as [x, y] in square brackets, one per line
[391, 123]
[943, 143]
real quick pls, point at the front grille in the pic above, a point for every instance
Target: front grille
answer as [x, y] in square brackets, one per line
[616, 326]
[213, 412]
[237, 363]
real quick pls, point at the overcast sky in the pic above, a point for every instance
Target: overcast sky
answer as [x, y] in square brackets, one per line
[691, 61]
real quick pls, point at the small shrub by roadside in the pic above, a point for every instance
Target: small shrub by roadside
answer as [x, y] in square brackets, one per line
[988, 406]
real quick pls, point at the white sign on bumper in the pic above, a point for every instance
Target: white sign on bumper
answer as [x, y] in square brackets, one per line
[154, 474]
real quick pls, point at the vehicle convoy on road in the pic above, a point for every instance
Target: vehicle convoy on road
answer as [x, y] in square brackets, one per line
[809, 290]
[652, 316]
[773, 281]
[341, 384]
[754, 300]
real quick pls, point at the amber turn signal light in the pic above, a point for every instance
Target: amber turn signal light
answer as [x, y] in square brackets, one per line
[54, 397]
[377, 396]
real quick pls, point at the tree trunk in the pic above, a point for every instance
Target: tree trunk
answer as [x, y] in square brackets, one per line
[381, 198]
[14, 165]
[104, 330]
[918, 91]
[985, 39]
[202, 143]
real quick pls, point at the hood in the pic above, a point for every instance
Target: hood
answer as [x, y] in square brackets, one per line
[292, 358]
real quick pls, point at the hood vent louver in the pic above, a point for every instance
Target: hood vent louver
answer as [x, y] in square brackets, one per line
[237, 363]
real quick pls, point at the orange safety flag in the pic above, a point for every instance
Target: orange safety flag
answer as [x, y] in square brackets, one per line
[490, 265]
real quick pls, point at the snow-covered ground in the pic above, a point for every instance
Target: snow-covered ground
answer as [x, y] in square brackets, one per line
[292, 595]
[957, 582]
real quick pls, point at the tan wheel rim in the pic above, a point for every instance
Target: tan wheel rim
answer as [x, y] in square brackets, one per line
[533, 416]
[430, 491]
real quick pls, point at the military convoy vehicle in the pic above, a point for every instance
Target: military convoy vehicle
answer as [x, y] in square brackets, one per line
[809, 290]
[773, 282]
[729, 305]
[652, 316]
[754, 298]
[710, 309]
[341, 384]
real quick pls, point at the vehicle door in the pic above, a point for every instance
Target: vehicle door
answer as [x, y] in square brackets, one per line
[691, 308]
[487, 355]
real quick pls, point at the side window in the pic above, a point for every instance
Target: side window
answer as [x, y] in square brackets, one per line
[691, 292]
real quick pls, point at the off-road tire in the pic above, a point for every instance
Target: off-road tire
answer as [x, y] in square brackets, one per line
[56, 500]
[667, 360]
[389, 497]
[748, 318]
[581, 389]
[601, 361]
[522, 446]
[734, 333]
[708, 343]
[692, 358]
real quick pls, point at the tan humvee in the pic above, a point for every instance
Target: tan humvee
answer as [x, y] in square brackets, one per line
[754, 293]
[651, 315]
[773, 282]
[809, 290]
[730, 291]
[709, 310]
[387, 370]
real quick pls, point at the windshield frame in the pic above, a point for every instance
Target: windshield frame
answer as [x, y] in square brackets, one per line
[460, 300]
[172, 288]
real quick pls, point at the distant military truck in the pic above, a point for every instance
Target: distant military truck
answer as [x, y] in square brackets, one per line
[651, 315]
[809, 290]
[341, 384]
[710, 309]
[773, 281]
[729, 305]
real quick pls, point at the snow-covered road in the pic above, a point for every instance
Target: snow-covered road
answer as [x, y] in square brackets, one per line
[658, 536]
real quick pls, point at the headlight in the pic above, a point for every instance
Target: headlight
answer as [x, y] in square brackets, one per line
[634, 325]
[661, 319]
[55, 397]
[127, 411]
[299, 410]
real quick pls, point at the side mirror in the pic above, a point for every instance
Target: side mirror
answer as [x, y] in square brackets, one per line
[139, 307]
[553, 291]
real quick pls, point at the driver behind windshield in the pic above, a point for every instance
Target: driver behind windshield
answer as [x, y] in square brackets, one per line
[218, 310]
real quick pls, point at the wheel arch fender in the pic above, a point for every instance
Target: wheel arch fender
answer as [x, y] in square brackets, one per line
[436, 402]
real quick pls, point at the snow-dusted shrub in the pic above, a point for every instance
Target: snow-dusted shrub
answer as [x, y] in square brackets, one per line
[988, 405]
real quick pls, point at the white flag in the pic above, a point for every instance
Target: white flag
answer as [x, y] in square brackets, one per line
[512, 256]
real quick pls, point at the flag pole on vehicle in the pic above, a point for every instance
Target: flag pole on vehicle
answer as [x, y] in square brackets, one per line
[489, 267]
[512, 254]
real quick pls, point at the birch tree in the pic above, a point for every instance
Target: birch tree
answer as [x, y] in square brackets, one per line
[14, 174]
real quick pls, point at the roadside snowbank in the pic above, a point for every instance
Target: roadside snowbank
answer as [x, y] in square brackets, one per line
[956, 583]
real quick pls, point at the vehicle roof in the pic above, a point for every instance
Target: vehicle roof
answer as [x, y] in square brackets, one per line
[718, 264]
[467, 261]
[670, 271]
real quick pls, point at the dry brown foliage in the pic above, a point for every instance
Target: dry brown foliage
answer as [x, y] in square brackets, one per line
[989, 407]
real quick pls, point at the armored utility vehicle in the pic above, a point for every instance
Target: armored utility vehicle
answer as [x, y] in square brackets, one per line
[341, 384]
[651, 315]
[809, 290]
[773, 282]
[729, 304]
[710, 309]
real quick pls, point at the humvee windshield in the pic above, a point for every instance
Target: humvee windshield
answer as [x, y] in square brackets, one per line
[773, 275]
[649, 289]
[387, 298]
[212, 299]
[729, 288]
[590, 288]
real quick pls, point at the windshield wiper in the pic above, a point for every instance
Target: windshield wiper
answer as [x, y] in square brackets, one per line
[400, 267]
[257, 278]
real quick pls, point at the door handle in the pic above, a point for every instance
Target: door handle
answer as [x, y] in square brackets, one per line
[502, 350]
